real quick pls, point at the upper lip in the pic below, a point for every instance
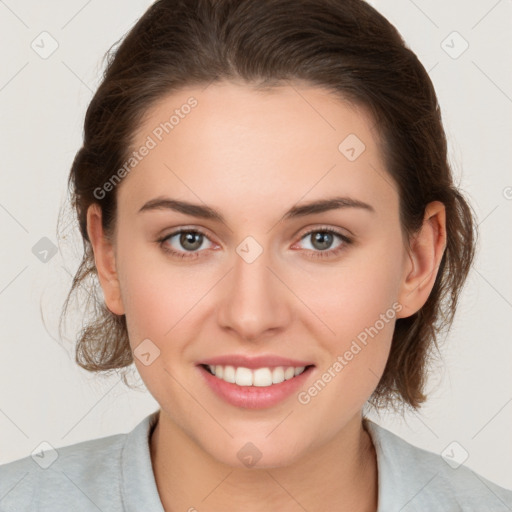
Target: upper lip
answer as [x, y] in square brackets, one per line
[269, 361]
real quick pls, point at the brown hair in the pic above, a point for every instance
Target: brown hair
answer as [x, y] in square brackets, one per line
[342, 45]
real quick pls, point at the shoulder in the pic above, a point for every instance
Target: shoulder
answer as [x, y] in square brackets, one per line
[68, 474]
[414, 479]
[111, 473]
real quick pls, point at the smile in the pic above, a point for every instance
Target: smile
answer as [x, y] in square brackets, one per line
[255, 388]
[260, 377]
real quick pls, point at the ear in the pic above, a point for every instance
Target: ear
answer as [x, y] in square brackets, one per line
[425, 254]
[104, 257]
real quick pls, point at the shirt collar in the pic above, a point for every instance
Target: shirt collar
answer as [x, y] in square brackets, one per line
[139, 490]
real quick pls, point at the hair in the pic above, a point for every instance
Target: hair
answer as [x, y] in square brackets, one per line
[344, 46]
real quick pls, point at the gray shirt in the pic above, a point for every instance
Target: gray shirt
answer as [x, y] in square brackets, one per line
[114, 474]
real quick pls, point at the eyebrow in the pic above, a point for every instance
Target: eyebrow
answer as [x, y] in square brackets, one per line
[205, 212]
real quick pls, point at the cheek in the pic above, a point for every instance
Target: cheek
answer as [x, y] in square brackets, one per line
[359, 304]
[364, 287]
[153, 296]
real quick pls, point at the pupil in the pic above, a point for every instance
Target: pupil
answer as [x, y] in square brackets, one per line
[324, 239]
[190, 237]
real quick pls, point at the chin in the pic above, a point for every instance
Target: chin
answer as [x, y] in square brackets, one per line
[257, 454]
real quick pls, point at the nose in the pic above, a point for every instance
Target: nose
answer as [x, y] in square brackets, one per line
[255, 303]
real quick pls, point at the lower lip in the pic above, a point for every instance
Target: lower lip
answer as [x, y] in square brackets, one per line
[254, 397]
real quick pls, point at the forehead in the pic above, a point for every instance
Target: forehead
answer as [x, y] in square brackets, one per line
[233, 143]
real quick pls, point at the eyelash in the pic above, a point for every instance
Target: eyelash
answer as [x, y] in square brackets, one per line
[314, 254]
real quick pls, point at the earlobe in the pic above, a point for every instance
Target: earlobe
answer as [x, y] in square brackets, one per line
[424, 258]
[105, 261]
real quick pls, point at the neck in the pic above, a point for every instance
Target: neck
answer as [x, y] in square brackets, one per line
[343, 472]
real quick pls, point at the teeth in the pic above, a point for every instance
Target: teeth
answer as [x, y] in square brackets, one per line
[289, 373]
[229, 374]
[261, 377]
[278, 375]
[243, 377]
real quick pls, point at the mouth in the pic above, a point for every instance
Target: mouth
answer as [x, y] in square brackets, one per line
[256, 377]
[255, 388]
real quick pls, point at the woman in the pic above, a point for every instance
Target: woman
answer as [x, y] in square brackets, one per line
[265, 199]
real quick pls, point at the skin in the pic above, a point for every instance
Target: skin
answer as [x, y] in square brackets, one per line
[252, 155]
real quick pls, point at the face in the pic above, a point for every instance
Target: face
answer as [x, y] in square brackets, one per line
[266, 278]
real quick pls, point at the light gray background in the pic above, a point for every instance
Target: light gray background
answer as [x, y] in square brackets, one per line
[45, 396]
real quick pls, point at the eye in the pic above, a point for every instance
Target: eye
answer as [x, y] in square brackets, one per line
[323, 239]
[191, 240]
[188, 242]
